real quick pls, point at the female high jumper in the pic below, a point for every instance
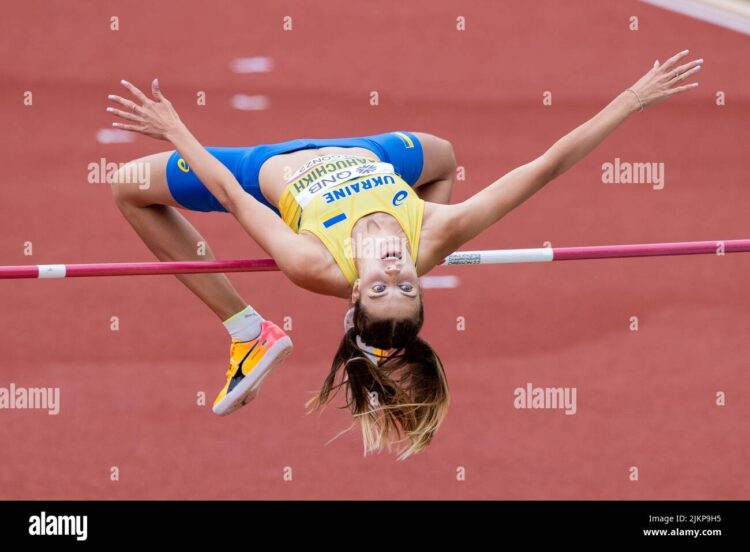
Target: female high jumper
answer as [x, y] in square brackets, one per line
[359, 218]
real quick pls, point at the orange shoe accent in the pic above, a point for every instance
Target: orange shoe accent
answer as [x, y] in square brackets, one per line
[250, 362]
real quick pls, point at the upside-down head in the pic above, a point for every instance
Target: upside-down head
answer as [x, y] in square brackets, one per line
[387, 291]
[395, 383]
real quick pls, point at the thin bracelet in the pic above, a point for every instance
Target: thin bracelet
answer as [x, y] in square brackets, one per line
[637, 96]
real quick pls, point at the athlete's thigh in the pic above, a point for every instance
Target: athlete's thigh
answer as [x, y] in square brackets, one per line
[143, 181]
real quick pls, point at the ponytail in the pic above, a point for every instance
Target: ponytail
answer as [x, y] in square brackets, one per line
[398, 392]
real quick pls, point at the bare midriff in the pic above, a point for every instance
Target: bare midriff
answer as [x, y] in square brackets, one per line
[277, 169]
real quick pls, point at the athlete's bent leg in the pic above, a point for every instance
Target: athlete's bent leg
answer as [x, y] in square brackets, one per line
[257, 345]
[152, 212]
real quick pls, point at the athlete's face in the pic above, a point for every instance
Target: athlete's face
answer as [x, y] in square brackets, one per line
[388, 286]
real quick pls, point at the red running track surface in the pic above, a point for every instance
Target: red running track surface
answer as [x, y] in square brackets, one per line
[646, 398]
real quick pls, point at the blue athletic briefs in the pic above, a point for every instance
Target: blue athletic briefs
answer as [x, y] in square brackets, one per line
[402, 149]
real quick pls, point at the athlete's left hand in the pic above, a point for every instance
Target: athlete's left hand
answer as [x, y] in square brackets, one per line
[155, 118]
[665, 80]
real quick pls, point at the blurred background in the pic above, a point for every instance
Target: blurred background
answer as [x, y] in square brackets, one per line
[475, 73]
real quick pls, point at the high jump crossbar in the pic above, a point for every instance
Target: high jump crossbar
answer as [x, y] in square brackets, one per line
[499, 256]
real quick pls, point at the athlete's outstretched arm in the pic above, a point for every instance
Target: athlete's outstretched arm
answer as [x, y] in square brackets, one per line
[467, 219]
[158, 119]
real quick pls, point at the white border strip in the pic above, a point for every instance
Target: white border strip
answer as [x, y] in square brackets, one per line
[732, 15]
[501, 256]
[52, 271]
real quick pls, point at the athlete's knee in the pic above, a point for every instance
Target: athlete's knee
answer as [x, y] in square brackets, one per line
[129, 182]
[440, 153]
[448, 155]
[121, 191]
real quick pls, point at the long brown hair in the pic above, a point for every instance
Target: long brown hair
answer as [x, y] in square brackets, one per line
[401, 396]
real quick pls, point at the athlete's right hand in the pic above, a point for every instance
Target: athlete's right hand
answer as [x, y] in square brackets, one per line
[155, 118]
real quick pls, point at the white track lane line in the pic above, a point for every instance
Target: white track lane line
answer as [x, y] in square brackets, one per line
[114, 136]
[444, 281]
[255, 64]
[731, 14]
[243, 102]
